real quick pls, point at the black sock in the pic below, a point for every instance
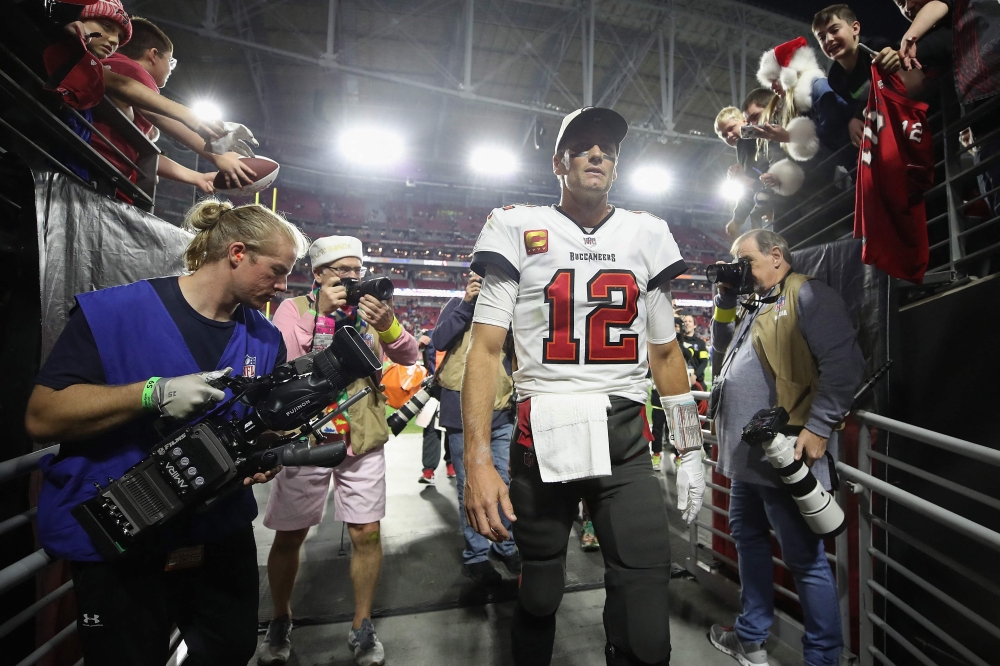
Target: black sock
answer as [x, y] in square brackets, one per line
[532, 638]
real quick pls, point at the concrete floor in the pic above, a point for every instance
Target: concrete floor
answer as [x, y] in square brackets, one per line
[480, 635]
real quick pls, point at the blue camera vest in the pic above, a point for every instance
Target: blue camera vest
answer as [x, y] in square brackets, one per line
[137, 339]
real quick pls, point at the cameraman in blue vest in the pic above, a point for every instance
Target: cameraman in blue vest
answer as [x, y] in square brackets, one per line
[129, 355]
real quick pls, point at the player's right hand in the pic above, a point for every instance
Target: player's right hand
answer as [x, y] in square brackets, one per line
[188, 395]
[484, 489]
[472, 289]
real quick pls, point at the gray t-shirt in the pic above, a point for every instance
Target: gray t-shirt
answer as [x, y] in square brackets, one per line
[832, 339]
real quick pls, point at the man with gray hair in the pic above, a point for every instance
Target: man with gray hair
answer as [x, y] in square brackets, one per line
[790, 344]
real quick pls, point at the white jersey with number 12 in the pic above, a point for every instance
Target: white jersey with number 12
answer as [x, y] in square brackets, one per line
[580, 314]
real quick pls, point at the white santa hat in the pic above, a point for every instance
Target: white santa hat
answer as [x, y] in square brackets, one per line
[793, 65]
[329, 249]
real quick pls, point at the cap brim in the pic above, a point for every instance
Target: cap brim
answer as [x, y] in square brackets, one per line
[613, 121]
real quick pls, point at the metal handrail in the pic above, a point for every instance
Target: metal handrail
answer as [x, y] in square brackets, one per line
[23, 569]
[969, 614]
[29, 612]
[983, 498]
[947, 442]
[937, 555]
[48, 645]
[15, 467]
[928, 625]
[23, 518]
[950, 519]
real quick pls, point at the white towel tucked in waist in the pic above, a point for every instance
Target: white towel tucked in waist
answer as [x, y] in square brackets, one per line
[570, 432]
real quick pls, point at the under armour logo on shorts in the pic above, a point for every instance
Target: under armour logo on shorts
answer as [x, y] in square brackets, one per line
[92, 620]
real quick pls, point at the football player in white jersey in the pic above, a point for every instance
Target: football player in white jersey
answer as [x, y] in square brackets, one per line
[585, 287]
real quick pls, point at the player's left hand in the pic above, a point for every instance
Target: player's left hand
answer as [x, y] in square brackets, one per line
[690, 484]
[809, 447]
[376, 313]
[261, 477]
[773, 132]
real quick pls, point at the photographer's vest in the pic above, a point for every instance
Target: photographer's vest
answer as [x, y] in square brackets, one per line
[369, 429]
[451, 370]
[137, 339]
[783, 351]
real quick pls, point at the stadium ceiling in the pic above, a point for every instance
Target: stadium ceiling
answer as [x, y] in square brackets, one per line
[448, 74]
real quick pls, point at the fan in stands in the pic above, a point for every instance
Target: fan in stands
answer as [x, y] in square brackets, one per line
[266, 171]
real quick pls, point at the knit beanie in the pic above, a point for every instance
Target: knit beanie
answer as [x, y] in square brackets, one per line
[112, 10]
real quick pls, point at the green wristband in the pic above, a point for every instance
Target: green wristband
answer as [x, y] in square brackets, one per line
[147, 393]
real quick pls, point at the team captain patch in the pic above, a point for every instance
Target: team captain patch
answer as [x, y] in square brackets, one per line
[536, 242]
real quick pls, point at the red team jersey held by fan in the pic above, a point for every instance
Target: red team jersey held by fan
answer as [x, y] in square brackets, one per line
[895, 168]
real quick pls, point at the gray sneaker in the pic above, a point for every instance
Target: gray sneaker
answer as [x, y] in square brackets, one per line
[726, 640]
[368, 650]
[277, 643]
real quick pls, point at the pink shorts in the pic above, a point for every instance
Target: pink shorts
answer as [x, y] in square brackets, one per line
[298, 494]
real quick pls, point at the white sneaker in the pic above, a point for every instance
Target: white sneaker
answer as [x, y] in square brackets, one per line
[368, 650]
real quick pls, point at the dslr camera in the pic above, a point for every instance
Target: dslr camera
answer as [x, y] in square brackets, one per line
[205, 460]
[380, 287]
[737, 275]
[823, 516]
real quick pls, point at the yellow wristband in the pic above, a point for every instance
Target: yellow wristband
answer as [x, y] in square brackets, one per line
[724, 316]
[392, 333]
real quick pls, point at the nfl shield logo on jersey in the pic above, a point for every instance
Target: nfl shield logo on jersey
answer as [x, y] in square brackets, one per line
[590, 241]
[536, 242]
[250, 366]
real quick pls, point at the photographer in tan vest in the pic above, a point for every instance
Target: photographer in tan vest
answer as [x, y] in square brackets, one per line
[790, 344]
[452, 334]
[299, 495]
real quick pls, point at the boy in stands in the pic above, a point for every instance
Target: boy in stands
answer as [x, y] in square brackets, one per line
[839, 34]
[77, 73]
[728, 126]
[148, 58]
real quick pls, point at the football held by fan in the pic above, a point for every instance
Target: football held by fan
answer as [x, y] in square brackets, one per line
[585, 288]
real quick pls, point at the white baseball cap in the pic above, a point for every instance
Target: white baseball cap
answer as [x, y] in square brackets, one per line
[329, 249]
[592, 115]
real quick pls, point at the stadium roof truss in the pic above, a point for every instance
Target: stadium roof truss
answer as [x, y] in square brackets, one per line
[668, 66]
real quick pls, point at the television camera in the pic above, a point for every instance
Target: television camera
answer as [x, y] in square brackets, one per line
[207, 459]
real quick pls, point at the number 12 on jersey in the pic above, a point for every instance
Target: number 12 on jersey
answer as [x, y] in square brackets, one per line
[562, 345]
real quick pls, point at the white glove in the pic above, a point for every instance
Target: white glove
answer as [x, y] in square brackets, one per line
[188, 395]
[238, 139]
[685, 435]
[690, 485]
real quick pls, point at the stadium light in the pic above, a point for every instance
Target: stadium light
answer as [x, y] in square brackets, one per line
[494, 160]
[731, 189]
[372, 146]
[651, 179]
[207, 111]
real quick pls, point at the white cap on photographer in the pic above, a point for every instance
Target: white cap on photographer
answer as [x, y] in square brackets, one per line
[329, 249]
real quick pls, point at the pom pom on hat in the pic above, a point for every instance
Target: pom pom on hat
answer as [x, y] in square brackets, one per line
[112, 10]
[785, 63]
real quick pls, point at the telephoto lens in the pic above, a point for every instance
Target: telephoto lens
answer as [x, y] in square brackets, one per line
[823, 516]
[380, 287]
[405, 414]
